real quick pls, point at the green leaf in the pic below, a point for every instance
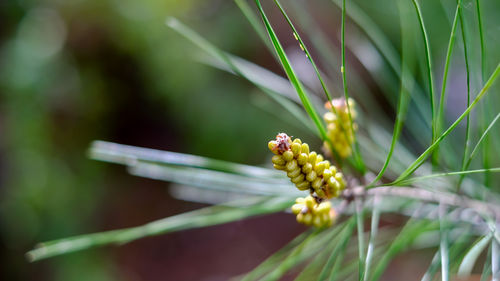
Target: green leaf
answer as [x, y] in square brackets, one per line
[316, 70]
[416, 179]
[468, 127]
[443, 244]
[442, 99]
[373, 237]
[481, 139]
[404, 98]
[361, 239]
[195, 219]
[292, 76]
[129, 155]
[420, 160]
[311, 246]
[338, 251]
[495, 258]
[270, 83]
[428, 65]
[403, 240]
[214, 180]
[471, 257]
[431, 271]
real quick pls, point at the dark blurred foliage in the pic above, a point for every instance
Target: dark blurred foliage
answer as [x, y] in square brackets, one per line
[75, 71]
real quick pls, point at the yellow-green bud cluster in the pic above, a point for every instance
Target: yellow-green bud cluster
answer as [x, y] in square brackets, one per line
[310, 212]
[306, 169]
[339, 126]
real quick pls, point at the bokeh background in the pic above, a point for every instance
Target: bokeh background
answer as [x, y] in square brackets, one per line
[75, 71]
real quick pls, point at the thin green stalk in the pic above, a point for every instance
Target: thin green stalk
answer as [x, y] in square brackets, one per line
[472, 255]
[483, 137]
[415, 179]
[293, 258]
[373, 237]
[431, 271]
[443, 245]
[343, 70]
[404, 239]
[306, 50]
[428, 65]
[486, 150]
[334, 273]
[468, 128]
[495, 260]
[404, 100]
[361, 238]
[420, 160]
[293, 77]
[340, 247]
[442, 99]
[271, 262]
[481, 41]
[316, 70]
[360, 166]
[486, 267]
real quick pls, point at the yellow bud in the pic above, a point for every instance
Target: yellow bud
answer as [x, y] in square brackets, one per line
[311, 176]
[278, 160]
[329, 117]
[303, 185]
[326, 205]
[295, 148]
[300, 200]
[288, 155]
[317, 222]
[333, 183]
[305, 148]
[317, 183]
[297, 208]
[307, 168]
[279, 167]
[339, 177]
[302, 159]
[319, 158]
[300, 218]
[308, 219]
[327, 174]
[320, 193]
[292, 165]
[312, 157]
[333, 169]
[320, 167]
[297, 140]
[298, 179]
[310, 202]
[294, 173]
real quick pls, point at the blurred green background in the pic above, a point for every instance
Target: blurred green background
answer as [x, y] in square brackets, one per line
[76, 71]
